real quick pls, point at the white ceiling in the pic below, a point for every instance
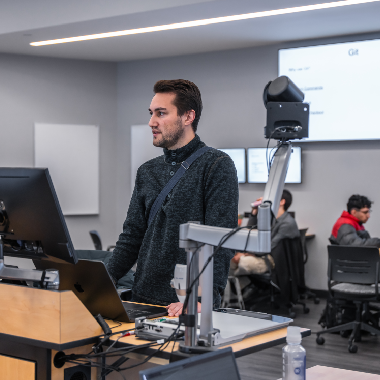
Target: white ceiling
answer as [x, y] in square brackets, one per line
[25, 21]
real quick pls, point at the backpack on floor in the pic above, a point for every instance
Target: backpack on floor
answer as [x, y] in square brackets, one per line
[337, 313]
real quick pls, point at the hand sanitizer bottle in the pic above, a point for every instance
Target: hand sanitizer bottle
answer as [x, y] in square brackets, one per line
[293, 356]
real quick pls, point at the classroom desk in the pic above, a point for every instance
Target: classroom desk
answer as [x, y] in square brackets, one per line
[37, 323]
[245, 347]
[328, 373]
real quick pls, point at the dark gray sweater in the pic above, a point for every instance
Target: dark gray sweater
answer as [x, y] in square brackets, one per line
[208, 192]
[285, 227]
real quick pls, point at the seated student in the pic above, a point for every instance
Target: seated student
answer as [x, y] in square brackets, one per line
[349, 229]
[285, 227]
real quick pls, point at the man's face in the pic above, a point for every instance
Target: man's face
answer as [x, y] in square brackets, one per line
[167, 126]
[363, 214]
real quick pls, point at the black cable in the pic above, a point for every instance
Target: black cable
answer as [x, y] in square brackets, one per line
[266, 153]
[246, 241]
[188, 271]
[272, 156]
[166, 343]
[114, 327]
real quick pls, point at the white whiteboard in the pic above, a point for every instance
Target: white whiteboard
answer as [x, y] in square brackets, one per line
[142, 148]
[71, 153]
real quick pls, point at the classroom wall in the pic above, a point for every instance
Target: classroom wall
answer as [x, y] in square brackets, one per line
[231, 83]
[67, 92]
[116, 96]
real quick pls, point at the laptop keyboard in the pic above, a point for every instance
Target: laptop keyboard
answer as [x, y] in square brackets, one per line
[135, 313]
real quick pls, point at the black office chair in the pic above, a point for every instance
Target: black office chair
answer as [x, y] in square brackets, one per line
[296, 271]
[98, 242]
[307, 293]
[268, 288]
[285, 282]
[353, 275]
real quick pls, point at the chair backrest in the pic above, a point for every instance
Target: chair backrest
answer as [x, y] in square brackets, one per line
[295, 257]
[96, 240]
[359, 265]
[303, 242]
[289, 272]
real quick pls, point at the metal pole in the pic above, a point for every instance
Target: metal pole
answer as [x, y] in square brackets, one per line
[275, 185]
[207, 286]
[192, 307]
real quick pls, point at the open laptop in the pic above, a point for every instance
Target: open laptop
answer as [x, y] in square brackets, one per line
[217, 365]
[91, 283]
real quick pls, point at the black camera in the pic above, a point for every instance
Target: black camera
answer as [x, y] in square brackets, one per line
[287, 115]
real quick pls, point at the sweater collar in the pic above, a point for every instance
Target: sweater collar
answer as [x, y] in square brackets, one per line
[181, 154]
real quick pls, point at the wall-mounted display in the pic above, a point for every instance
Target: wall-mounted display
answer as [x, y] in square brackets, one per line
[258, 169]
[341, 83]
[238, 156]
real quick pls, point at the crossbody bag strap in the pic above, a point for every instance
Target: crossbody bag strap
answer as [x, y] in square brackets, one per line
[173, 181]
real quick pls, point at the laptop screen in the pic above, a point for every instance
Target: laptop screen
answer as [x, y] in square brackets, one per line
[218, 365]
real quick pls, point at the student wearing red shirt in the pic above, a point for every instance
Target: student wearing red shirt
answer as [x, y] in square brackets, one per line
[349, 229]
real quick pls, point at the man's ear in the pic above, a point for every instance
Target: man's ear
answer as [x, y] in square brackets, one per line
[189, 117]
[282, 202]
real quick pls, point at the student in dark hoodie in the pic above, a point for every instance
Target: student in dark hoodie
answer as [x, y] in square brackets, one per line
[349, 229]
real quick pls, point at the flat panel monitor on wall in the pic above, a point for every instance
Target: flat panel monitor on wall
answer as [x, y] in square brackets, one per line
[258, 170]
[341, 83]
[238, 157]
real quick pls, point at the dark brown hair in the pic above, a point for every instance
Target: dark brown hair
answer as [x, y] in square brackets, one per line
[188, 96]
[358, 202]
[288, 199]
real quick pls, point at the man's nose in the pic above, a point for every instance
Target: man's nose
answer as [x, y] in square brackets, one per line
[152, 122]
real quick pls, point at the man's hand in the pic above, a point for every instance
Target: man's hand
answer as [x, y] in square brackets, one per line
[236, 258]
[175, 309]
[254, 209]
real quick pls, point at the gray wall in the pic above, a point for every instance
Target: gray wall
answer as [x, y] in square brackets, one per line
[231, 84]
[66, 92]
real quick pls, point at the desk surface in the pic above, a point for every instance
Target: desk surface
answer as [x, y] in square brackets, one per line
[328, 373]
[244, 347]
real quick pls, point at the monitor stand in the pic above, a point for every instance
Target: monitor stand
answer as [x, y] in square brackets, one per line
[45, 277]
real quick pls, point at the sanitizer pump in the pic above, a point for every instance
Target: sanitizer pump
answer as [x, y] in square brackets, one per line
[293, 356]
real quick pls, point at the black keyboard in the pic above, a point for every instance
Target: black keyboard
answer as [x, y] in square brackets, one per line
[135, 313]
[137, 310]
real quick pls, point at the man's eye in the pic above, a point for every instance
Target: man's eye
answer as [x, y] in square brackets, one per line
[161, 113]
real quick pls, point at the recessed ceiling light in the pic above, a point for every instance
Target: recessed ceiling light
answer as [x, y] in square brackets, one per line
[216, 20]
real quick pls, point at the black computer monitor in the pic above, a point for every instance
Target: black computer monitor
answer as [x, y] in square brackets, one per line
[217, 365]
[31, 221]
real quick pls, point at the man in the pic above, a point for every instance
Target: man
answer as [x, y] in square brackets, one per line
[207, 193]
[285, 227]
[349, 229]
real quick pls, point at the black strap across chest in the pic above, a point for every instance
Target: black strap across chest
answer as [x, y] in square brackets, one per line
[173, 181]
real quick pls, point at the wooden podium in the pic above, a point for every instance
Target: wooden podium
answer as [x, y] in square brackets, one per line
[34, 325]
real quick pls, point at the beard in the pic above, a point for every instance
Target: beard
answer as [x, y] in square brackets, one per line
[170, 138]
